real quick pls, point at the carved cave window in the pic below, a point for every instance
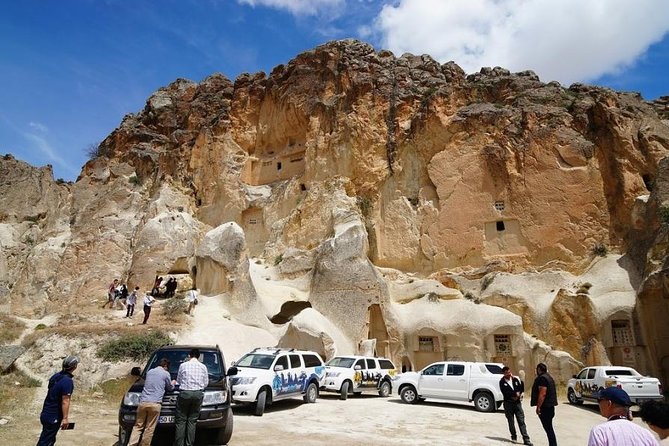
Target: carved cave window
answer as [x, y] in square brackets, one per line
[503, 345]
[278, 165]
[500, 226]
[253, 221]
[622, 332]
[426, 344]
[499, 205]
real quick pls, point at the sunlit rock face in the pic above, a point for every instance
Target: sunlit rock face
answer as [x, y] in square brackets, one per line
[352, 195]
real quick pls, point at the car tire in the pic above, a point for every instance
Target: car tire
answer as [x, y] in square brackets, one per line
[260, 403]
[384, 389]
[311, 393]
[343, 392]
[123, 436]
[484, 402]
[221, 436]
[409, 395]
[573, 399]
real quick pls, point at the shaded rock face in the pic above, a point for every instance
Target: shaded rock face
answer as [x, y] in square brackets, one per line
[364, 170]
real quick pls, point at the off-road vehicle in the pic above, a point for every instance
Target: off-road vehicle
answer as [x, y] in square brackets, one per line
[215, 423]
[357, 374]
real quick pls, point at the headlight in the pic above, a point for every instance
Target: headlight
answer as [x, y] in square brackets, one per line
[243, 380]
[217, 397]
[131, 398]
[332, 374]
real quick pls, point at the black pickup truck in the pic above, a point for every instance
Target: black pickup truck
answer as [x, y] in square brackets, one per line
[215, 423]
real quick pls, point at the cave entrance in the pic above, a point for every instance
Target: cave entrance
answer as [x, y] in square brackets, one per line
[288, 311]
[378, 331]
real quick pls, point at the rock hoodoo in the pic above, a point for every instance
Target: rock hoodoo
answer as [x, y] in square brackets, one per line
[351, 195]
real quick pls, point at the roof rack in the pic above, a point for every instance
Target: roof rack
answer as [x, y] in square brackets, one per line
[276, 350]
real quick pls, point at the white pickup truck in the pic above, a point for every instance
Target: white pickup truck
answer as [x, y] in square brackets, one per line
[591, 379]
[454, 381]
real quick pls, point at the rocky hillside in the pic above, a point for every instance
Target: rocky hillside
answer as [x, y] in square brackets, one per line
[355, 201]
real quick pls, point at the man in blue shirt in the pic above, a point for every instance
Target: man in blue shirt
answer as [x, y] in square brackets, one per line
[56, 407]
[158, 380]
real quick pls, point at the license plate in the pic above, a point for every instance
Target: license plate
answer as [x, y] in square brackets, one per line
[166, 419]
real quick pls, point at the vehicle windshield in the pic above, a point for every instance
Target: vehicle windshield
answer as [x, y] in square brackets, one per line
[211, 359]
[619, 372]
[494, 369]
[341, 362]
[256, 361]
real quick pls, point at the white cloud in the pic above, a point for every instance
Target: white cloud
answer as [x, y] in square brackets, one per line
[299, 7]
[39, 127]
[45, 148]
[566, 40]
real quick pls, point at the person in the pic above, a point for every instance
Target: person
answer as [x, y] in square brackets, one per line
[132, 300]
[192, 379]
[544, 397]
[111, 294]
[656, 415]
[614, 405]
[170, 287]
[191, 297]
[155, 291]
[119, 296]
[56, 409]
[148, 303]
[157, 381]
[512, 388]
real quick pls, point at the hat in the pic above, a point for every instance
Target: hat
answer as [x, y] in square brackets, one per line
[615, 395]
[70, 362]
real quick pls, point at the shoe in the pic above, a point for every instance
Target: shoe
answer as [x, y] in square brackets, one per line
[527, 443]
[514, 439]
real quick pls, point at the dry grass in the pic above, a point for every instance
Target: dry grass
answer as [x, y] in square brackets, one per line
[10, 329]
[16, 388]
[113, 390]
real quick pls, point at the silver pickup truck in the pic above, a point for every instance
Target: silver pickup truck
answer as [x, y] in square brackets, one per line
[591, 379]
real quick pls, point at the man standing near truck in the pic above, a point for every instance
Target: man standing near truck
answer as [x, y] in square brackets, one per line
[192, 379]
[157, 381]
[512, 388]
[544, 396]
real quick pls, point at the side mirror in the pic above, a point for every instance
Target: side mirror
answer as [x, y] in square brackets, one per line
[278, 368]
[135, 371]
[357, 367]
[232, 371]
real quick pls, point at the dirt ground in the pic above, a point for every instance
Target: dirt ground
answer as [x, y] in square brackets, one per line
[368, 420]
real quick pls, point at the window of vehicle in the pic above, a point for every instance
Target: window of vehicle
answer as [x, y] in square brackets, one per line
[591, 373]
[494, 369]
[386, 365]
[434, 370]
[313, 361]
[582, 374]
[283, 360]
[211, 359]
[339, 362]
[371, 363]
[618, 372]
[455, 370]
[361, 363]
[295, 361]
[255, 361]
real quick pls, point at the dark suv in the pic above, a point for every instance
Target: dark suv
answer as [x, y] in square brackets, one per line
[215, 423]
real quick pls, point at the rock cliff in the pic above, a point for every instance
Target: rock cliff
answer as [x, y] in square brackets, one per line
[488, 216]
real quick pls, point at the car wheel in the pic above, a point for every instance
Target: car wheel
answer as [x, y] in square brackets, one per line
[484, 402]
[311, 394]
[573, 399]
[260, 403]
[384, 390]
[343, 392]
[123, 436]
[222, 435]
[409, 395]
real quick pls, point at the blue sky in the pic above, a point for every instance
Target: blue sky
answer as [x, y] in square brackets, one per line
[71, 69]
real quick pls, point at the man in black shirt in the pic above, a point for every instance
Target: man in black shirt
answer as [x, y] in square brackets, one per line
[512, 388]
[544, 397]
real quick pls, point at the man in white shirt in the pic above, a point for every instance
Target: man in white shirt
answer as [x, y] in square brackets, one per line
[192, 379]
[191, 297]
[614, 404]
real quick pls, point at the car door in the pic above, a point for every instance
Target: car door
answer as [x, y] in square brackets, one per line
[588, 384]
[360, 368]
[455, 382]
[297, 374]
[580, 378]
[431, 381]
[281, 384]
[370, 377]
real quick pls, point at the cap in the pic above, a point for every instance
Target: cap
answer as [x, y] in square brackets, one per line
[70, 362]
[615, 395]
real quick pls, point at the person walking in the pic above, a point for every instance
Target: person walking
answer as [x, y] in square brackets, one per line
[158, 380]
[56, 408]
[132, 300]
[656, 415]
[513, 388]
[111, 294]
[192, 379]
[191, 297]
[148, 303]
[544, 397]
[614, 405]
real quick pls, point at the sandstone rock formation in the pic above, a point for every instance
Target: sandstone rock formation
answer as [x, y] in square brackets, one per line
[353, 195]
